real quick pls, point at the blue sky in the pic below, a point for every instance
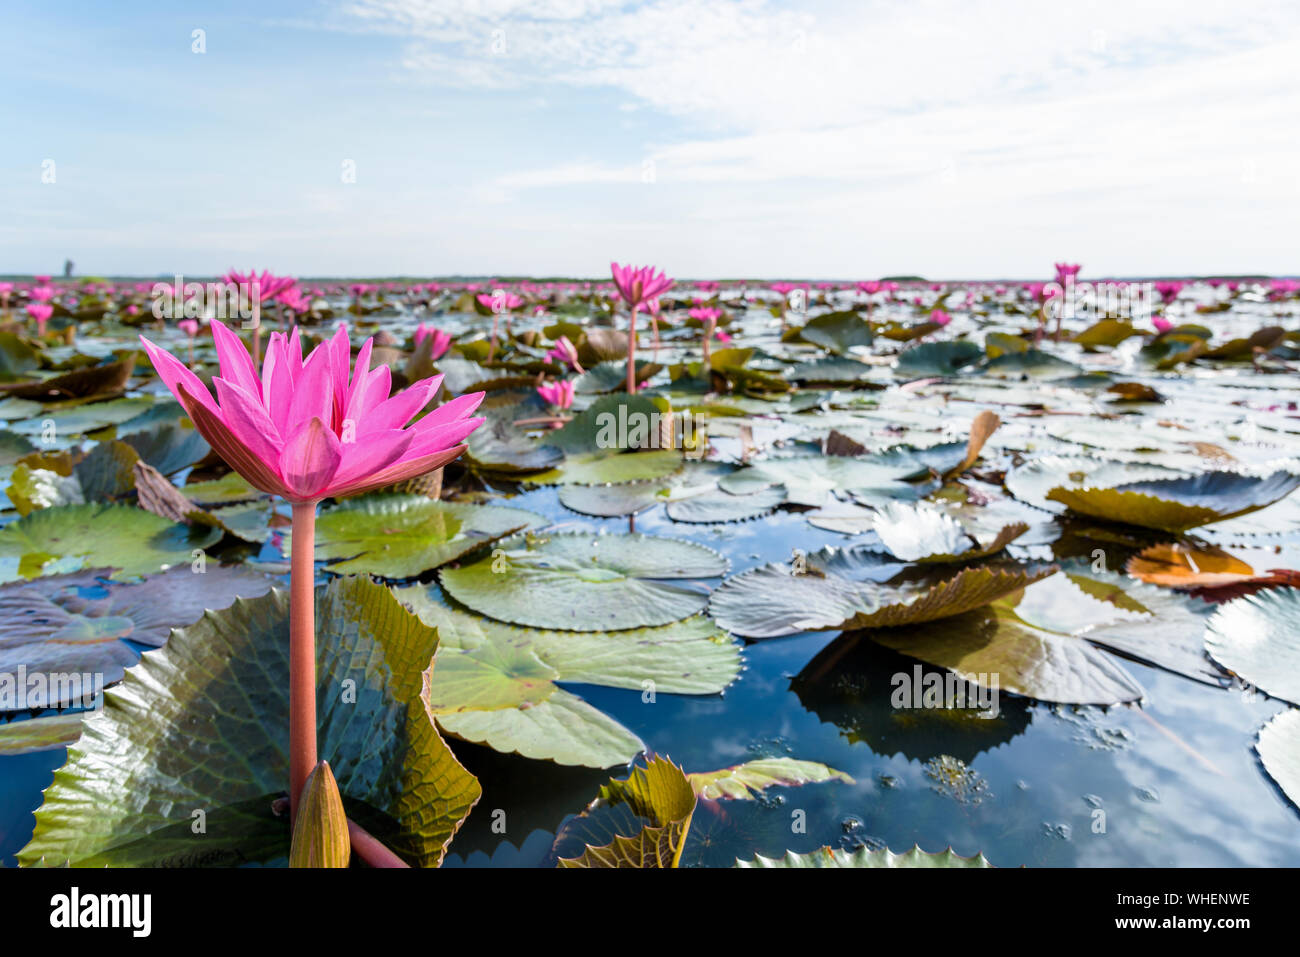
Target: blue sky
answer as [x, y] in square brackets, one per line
[711, 137]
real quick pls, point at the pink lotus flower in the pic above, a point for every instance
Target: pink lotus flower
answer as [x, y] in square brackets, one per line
[1169, 290]
[870, 288]
[268, 286]
[42, 293]
[638, 284]
[41, 279]
[41, 312]
[784, 288]
[441, 340]
[302, 430]
[294, 300]
[565, 353]
[133, 310]
[1066, 271]
[940, 317]
[1161, 324]
[189, 326]
[500, 302]
[722, 336]
[558, 394]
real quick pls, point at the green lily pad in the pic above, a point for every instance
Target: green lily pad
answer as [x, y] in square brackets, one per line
[496, 684]
[613, 501]
[45, 733]
[400, 536]
[774, 600]
[584, 582]
[720, 506]
[202, 725]
[1032, 481]
[596, 468]
[133, 541]
[865, 857]
[945, 358]
[745, 781]
[1177, 504]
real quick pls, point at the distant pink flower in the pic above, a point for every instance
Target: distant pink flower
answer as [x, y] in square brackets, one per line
[1161, 324]
[558, 394]
[295, 300]
[133, 310]
[869, 288]
[638, 284]
[784, 288]
[1066, 271]
[1169, 290]
[268, 286]
[41, 312]
[189, 326]
[305, 431]
[42, 293]
[500, 302]
[441, 340]
[41, 279]
[940, 317]
[565, 352]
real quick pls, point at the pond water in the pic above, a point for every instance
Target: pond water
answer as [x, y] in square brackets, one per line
[1171, 781]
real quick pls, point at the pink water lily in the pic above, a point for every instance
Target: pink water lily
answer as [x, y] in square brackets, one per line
[302, 430]
[441, 340]
[940, 317]
[638, 286]
[558, 394]
[41, 312]
[565, 352]
[1161, 324]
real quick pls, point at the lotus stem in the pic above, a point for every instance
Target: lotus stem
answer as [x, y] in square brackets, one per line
[631, 352]
[370, 849]
[257, 340]
[492, 346]
[302, 652]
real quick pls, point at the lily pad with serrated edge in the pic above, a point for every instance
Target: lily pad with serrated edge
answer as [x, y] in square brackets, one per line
[133, 541]
[1032, 481]
[866, 857]
[1257, 637]
[400, 536]
[1177, 504]
[584, 582]
[496, 684]
[203, 724]
[1279, 751]
[771, 601]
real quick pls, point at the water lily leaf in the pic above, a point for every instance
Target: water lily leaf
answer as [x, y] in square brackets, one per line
[811, 480]
[495, 684]
[45, 733]
[1105, 332]
[203, 724]
[937, 358]
[720, 506]
[597, 468]
[1258, 638]
[659, 794]
[133, 541]
[86, 418]
[994, 644]
[1177, 504]
[584, 582]
[500, 446]
[745, 781]
[1032, 481]
[400, 536]
[837, 332]
[613, 501]
[865, 857]
[226, 490]
[773, 600]
[1279, 750]
[831, 369]
[169, 447]
[1183, 565]
[48, 627]
[1032, 363]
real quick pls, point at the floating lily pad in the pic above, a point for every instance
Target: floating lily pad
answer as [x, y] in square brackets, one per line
[745, 781]
[399, 536]
[1279, 750]
[496, 684]
[1177, 504]
[773, 600]
[585, 582]
[49, 628]
[720, 506]
[202, 725]
[866, 857]
[45, 733]
[68, 537]
[1258, 638]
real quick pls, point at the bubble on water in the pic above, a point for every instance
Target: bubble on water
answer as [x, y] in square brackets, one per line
[1022, 784]
[954, 778]
[888, 781]
[1148, 794]
[1061, 831]
[1092, 800]
[1089, 730]
[856, 836]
